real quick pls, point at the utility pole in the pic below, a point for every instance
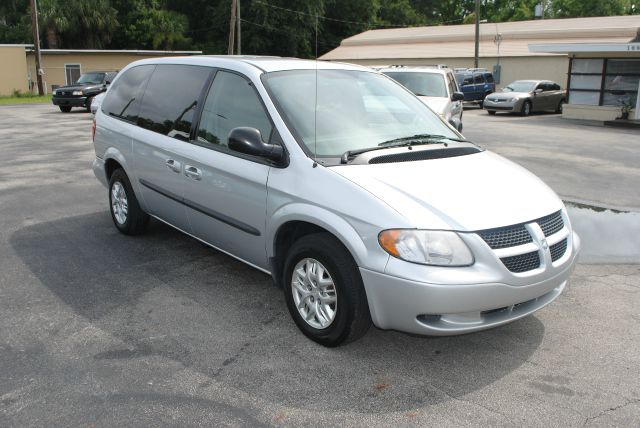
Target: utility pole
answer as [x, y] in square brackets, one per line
[239, 30]
[232, 25]
[477, 51]
[36, 44]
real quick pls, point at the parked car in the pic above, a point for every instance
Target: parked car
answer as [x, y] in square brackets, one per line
[81, 93]
[435, 86]
[526, 96]
[360, 201]
[475, 83]
[97, 102]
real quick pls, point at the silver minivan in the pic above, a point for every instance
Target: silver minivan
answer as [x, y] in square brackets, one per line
[363, 204]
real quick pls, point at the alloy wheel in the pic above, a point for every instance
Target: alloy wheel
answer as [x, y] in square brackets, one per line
[314, 293]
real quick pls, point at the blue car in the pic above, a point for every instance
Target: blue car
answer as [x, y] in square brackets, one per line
[475, 84]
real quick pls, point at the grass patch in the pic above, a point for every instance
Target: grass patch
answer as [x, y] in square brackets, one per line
[24, 98]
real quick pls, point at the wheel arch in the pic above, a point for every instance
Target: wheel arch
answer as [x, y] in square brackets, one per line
[300, 220]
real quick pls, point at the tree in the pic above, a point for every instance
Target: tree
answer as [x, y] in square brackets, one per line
[578, 8]
[147, 24]
[15, 26]
[79, 23]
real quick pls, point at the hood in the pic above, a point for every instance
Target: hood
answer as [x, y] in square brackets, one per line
[437, 104]
[508, 95]
[79, 86]
[466, 193]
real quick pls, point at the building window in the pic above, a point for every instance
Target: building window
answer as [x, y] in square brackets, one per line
[71, 73]
[604, 81]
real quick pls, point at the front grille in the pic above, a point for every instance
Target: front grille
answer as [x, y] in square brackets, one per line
[505, 237]
[551, 224]
[557, 250]
[522, 262]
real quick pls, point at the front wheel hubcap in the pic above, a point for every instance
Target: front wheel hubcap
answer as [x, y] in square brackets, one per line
[314, 293]
[119, 203]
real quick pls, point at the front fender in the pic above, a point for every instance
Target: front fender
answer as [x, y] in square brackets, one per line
[368, 255]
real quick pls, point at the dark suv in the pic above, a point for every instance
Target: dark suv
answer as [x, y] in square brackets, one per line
[475, 83]
[81, 93]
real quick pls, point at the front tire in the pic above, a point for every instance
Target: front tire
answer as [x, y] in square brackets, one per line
[526, 108]
[126, 213]
[491, 112]
[65, 109]
[324, 291]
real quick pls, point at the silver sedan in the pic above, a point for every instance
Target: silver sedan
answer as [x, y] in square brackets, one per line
[526, 96]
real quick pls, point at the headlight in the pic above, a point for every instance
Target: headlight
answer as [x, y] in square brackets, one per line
[78, 93]
[512, 100]
[427, 247]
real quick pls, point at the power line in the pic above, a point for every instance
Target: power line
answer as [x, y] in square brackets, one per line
[288, 33]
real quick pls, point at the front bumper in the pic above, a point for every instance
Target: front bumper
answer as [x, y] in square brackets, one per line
[70, 101]
[458, 307]
[494, 105]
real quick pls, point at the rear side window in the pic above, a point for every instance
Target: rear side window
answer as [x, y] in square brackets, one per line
[123, 99]
[477, 78]
[232, 102]
[489, 78]
[171, 98]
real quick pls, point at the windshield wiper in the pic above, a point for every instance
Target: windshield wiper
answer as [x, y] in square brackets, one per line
[414, 140]
[420, 139]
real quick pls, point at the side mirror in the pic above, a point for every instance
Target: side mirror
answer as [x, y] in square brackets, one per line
[249, 141]
[537, 91]
[457, 96]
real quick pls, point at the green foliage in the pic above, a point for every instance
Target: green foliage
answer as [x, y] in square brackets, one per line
[15, 26]
[76, 23]
[269, 27]
[24, 98]
[572, 8]
[147, 24]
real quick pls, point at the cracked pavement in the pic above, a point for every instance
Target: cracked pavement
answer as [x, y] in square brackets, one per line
[100, 329]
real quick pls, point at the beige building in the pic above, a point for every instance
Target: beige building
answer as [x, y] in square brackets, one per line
[63, 66]
[506, 44]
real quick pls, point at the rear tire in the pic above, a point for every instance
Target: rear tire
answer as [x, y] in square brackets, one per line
[324, 291]
[65, 109]
[526, 108]
[560, 105]
[88, 104]
[491, 112]
[126, 213]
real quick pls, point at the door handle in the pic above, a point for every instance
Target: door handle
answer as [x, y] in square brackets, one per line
[192, 172]
[173, 165]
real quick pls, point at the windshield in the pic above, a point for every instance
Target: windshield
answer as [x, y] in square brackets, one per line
[421, 84]
[519, 86]
[93, 78]
[355, 110]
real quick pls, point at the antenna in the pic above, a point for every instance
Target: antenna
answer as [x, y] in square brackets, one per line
[315, 107]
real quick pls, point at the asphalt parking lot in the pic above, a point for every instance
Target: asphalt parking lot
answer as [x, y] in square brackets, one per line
[101, 329]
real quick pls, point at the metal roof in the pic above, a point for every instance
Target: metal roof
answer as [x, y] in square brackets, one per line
[456, 41]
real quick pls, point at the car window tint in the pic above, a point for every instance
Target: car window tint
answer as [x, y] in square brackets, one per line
[171, 98]
[123, 98]
[477, 78]
[489, 78]
[232, 102]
